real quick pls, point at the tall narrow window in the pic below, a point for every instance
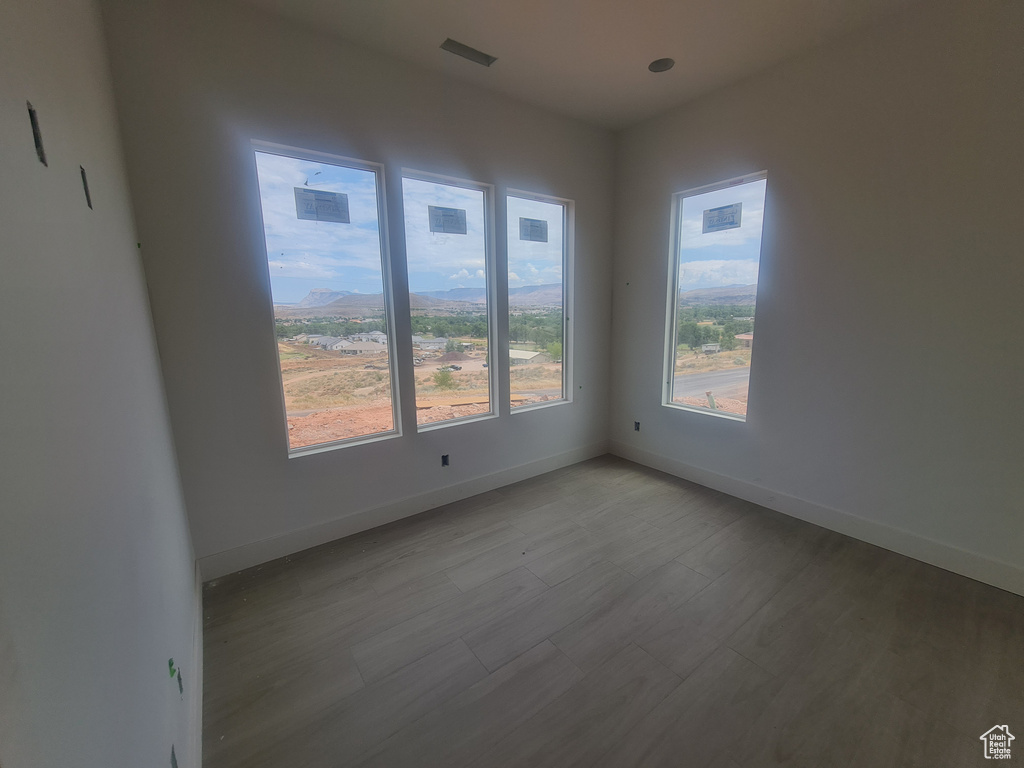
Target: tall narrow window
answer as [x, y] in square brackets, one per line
[447, 244]
[715, 260]
[323, 221]
[537, 261]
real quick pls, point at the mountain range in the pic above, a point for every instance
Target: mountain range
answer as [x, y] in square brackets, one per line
[727, 294]
[318, 297]
[525, 296]
[323, 302]
[354, 304]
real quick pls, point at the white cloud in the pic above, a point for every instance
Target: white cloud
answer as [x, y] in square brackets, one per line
[312, 249]
[514, 278]
[431, 253]
[533, 262]
[717, 272]
[480, 274]
[750, 195]
[310, 268]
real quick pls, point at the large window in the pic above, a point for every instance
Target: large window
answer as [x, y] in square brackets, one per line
[712, 305]
[447, 230]
[323, 221]
[538, 232]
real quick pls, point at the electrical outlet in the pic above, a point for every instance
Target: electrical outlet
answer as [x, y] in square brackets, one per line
[444, 459]
[636, 426]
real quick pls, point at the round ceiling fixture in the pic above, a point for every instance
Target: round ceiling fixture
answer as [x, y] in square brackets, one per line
[661, 65]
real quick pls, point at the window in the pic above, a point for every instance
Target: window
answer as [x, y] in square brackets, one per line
[448, 242]
[323, 221]
[712, 297]
[538, 237]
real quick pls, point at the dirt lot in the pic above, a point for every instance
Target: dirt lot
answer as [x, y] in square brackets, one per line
[331, 396]
[338, 423]
[688, 361]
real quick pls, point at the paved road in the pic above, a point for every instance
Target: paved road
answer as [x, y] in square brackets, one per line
[728, 383]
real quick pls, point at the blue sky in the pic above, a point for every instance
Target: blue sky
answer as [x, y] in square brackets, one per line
[318, 254]
[303, 255]
[729, 257]
[439, 261]
[533, 263]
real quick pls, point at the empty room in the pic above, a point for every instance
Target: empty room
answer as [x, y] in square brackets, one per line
[381, 387]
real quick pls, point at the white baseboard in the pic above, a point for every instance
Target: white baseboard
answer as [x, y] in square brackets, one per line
[196, 703]
[236, 559]
[949, 557]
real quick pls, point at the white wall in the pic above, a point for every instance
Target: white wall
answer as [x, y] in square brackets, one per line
[196, 82]
[97, 581]
[886, 385]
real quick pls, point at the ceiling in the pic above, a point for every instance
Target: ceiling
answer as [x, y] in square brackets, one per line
[588, 58]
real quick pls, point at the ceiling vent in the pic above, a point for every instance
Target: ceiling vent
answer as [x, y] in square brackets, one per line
[460, 49]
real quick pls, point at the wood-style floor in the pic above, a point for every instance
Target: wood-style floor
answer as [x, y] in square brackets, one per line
[606, 615]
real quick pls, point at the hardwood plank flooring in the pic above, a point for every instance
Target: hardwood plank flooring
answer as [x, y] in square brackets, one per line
[605, 615]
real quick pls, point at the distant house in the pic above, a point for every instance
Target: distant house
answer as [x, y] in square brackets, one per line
[432, 344]
[312, 337]
[710, 349]
[377, 336]
[301, 337]
[323, 341]
[746, 339]
[522, 357]
[417, 339]
[340, 344]
[468, 346]
[364, 348]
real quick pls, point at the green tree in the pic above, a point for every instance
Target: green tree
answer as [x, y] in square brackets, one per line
[689, 334]
[452, 346]
[445, 380]
[555, 350]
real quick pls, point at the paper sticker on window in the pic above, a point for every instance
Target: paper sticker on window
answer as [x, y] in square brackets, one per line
[321, 206]
[535, 230]
[451, 221]
[723, 217]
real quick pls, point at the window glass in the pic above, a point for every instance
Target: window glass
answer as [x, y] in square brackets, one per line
[718, 251]
[536, 299]
[446, 250]
[325, 251]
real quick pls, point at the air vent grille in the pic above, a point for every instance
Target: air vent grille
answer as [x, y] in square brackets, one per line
[463, 50]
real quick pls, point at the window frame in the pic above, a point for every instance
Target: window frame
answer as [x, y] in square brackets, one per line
[490, 279]
[387, 286]
[672, 299]
[568, 251]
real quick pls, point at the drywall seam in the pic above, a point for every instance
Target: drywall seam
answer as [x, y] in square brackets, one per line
[951, 558]
[258, 552]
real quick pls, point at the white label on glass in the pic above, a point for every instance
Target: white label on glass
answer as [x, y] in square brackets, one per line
[451, 221]
[315, 205]
[535, 230]
[723, 217]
